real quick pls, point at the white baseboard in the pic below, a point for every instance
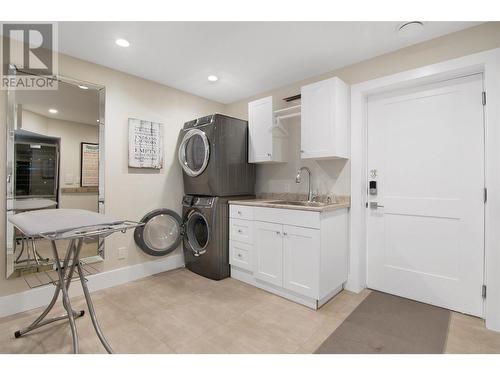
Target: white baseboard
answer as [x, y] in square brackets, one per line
[38, 297]
[247, 277]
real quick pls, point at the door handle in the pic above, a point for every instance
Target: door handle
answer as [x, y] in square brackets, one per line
[375, 205]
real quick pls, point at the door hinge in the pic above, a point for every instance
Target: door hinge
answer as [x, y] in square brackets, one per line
[484, 97]
[483, 291]
[485, 195]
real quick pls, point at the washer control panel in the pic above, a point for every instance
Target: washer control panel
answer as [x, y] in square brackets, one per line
[203, 201]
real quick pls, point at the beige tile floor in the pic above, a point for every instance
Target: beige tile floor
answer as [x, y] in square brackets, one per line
[180, 312]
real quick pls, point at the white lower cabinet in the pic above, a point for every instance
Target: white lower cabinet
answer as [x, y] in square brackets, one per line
[301, 248]
[299, 255]
[268, 250]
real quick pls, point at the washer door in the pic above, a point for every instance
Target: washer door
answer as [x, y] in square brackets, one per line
[161, 232]
[197, 232]
[194, 152]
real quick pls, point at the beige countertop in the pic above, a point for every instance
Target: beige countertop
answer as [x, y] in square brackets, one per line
[341, 202]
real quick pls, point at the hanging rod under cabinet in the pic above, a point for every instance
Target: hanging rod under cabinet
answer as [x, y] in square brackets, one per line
[288, 109]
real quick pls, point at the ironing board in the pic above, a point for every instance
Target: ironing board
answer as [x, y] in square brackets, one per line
[30, 204]
[74, 225]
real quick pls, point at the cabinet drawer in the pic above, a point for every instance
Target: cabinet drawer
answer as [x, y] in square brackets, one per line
[241, 230]
[308, 219]
[241, 212]
[240, 255]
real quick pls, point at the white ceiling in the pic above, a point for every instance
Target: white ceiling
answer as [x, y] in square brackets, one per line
[71, 103]
[248, 57]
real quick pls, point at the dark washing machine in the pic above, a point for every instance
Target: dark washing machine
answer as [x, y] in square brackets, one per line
[213, 154]
[203, 230]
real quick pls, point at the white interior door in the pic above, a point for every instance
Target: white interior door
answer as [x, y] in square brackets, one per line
[426, 148]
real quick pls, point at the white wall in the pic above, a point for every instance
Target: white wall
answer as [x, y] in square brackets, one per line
[329, 176]
[129, 193]
[33, 122]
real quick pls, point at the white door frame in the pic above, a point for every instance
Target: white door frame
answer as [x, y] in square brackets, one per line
[488, 63]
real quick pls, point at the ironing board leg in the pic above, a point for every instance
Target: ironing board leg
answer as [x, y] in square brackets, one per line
[65, 275]
[66, 301]
[36, 254]
[92, 311]
[21, 252]
[33, 247]
[39, 322]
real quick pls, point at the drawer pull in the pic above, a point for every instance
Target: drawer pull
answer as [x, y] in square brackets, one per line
[239, 255]
[239, 212]
[240, 231]
[278, 232]
[285, 234]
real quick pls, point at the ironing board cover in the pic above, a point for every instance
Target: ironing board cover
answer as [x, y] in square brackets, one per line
[33, 204]
[33, 223]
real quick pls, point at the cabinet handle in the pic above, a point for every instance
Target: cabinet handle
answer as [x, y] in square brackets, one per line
[240, 231]
[268, 154]
[239, 255]
[278, 232]
[301, 151]
[285, 234]
[239, 212]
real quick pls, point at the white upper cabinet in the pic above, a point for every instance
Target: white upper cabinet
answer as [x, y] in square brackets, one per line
[325, 120]
[264, 144]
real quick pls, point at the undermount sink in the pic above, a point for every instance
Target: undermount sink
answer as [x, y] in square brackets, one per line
[301, 203]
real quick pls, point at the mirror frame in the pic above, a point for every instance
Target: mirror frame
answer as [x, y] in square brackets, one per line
[11, 126]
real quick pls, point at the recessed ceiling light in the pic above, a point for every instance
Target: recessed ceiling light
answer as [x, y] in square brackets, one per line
[52, 110]
[212, 78]
[83, 87]
[122, 42]
[410, 29]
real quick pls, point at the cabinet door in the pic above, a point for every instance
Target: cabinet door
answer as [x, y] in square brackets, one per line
[268, 252]
[260, 127]
[324, 123]
[301, 249]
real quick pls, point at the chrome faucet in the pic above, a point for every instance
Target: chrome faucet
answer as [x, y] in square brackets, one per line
[298, 180]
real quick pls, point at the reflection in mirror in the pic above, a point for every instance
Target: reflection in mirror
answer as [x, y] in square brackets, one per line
[55, 160]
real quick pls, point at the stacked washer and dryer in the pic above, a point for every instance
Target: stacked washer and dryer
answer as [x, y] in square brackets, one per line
[213, 154]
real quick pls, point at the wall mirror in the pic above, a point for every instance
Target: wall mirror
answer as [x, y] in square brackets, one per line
[55, 159]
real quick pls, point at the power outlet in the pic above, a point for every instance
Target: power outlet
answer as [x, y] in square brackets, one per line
[122, 253]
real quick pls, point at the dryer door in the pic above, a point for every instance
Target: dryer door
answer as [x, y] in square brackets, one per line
[161, 233]
[197, 232]
[194, 152]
